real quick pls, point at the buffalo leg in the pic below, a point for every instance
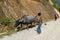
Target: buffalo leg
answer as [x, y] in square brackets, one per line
[27, 26]
[19, 28]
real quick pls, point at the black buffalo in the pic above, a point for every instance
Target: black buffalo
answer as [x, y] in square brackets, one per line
[26, 19]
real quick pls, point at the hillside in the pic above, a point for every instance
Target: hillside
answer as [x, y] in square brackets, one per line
[14, 9]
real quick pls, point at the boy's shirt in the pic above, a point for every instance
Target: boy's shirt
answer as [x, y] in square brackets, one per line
[38, 19]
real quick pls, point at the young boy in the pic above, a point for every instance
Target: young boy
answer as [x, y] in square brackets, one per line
[39, 20]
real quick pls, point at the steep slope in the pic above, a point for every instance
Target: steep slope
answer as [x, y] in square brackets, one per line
[14, 9]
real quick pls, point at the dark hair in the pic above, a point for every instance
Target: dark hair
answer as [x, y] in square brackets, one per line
[39, 14]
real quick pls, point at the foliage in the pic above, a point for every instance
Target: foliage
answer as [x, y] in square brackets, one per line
[56, 4]
[5, 21]
[56, 8]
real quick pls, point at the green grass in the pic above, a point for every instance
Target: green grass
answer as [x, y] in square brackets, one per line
[5, 21]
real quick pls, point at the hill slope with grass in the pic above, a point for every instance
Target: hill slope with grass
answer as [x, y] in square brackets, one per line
[15, 9]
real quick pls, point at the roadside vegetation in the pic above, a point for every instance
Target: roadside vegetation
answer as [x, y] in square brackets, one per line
[56, 4]
[6, 26]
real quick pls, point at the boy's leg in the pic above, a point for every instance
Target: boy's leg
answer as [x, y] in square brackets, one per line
[39, 28]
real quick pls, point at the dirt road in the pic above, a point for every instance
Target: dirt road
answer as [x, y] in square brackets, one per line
[49, 32]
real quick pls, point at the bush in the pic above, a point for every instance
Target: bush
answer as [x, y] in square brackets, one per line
[5, 21]
[56, 7]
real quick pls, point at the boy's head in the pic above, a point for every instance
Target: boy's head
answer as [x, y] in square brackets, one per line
[39, 14]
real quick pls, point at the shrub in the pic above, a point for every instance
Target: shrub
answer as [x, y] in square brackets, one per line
[5, 21]
[56, 7]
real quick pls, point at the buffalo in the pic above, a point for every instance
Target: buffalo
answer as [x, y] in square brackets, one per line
[26, 19]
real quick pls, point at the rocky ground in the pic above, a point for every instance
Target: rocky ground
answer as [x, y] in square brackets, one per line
[51, 31]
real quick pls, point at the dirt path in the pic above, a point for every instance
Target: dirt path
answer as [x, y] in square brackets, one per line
[49, 32]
